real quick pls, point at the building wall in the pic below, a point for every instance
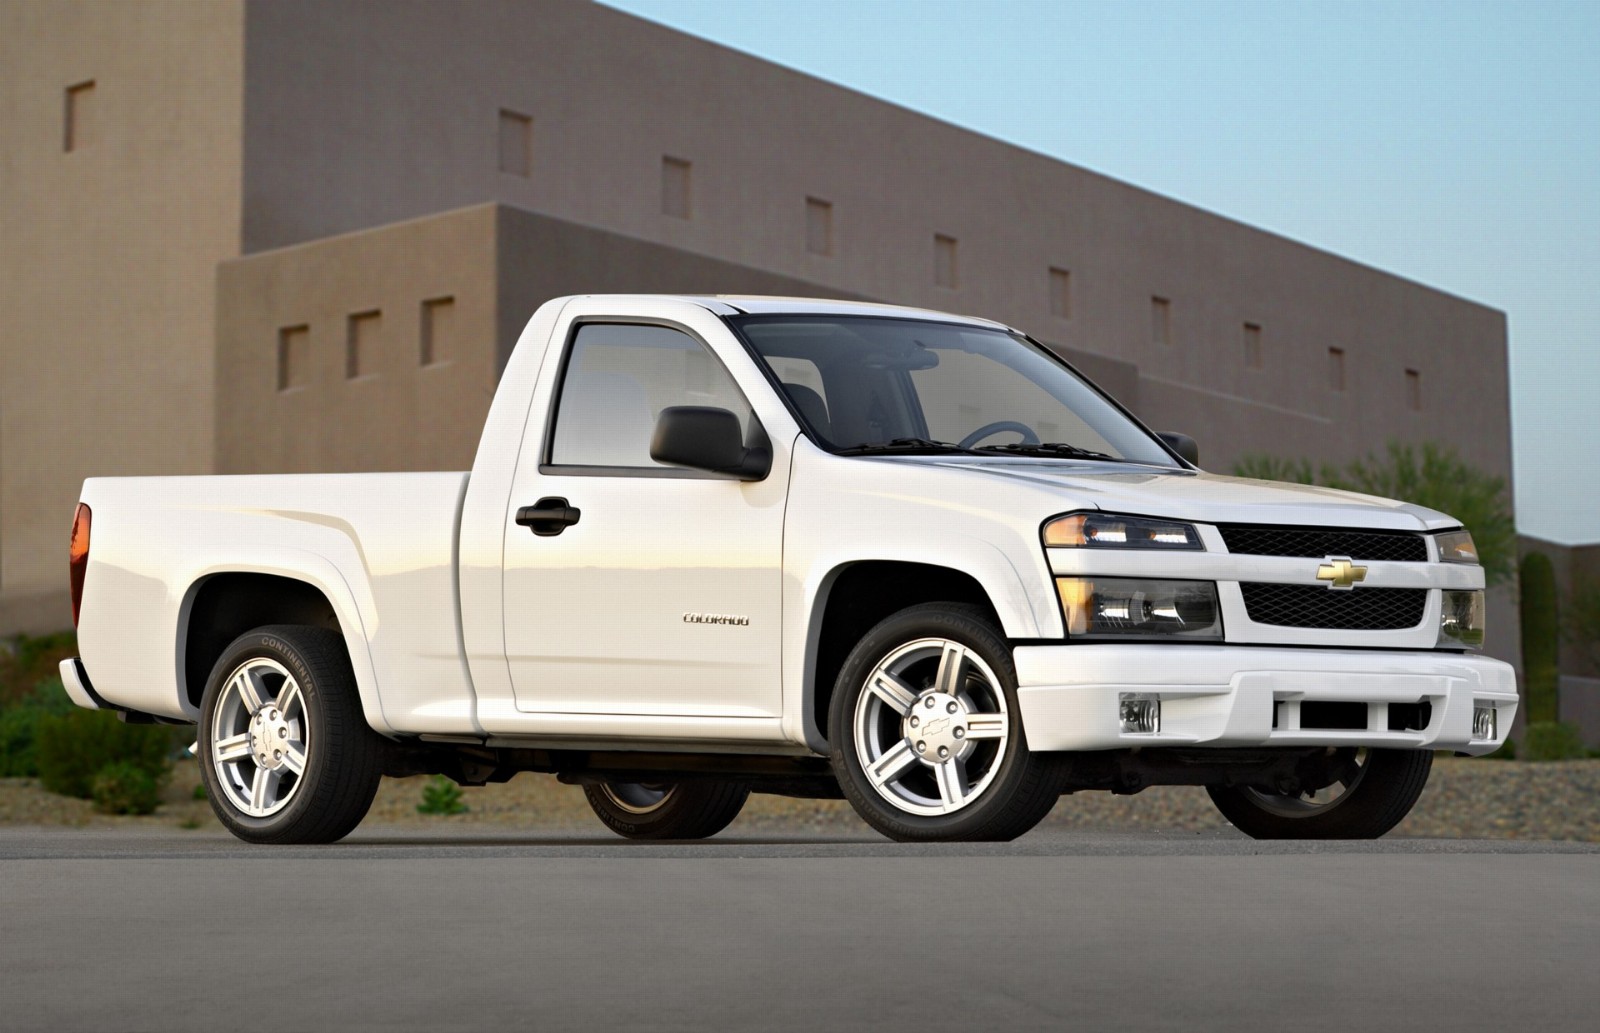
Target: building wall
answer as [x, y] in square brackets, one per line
[374, 289]
[354, 121]
[495, 263]
[107, 258]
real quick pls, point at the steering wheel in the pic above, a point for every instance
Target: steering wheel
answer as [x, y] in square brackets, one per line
[991, 429]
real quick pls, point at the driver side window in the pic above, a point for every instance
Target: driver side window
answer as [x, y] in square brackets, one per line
[618, 378]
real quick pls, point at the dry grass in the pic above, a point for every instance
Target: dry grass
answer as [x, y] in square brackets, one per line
[1465, 798]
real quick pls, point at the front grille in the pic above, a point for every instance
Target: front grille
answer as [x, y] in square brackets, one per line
[1399, 546]
[1316, 606]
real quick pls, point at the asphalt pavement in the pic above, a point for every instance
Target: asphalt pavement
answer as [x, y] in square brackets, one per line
[396, 929]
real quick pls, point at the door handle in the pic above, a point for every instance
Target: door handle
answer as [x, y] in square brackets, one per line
[548, 516]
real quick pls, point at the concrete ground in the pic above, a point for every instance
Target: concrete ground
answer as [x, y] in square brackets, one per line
[400, 929]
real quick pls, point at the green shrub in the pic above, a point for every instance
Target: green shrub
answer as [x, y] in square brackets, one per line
[19, 727]
[1264, 467]
[1553, 740]
[72, 748]
[27, 660]
[1540, 628]
[123, 787]
[441, 796]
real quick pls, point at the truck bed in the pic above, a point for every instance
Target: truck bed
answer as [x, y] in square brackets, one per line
[381, 546]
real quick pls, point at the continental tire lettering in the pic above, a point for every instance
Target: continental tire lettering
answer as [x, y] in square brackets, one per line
[289, 657]
[716, 618]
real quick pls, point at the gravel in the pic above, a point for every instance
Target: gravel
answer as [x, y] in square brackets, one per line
[1470, 799]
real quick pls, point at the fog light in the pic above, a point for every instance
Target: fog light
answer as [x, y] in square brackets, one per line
[1483, 723]
[1139, 713]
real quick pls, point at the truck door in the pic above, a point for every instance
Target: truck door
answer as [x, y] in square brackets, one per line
[656, 593]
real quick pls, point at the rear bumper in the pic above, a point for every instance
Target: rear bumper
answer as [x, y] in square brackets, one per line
[1247, 696]
[76, 681]
[81, 691]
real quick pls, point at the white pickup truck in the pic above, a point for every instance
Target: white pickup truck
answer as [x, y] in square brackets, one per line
[720, 545]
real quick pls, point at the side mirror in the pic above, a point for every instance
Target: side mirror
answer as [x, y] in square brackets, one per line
[704, 438]
[1182, 444]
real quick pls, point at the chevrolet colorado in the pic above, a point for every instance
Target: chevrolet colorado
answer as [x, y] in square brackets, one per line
[712, 546]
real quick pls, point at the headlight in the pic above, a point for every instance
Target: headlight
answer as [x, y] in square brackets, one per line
[1109, 531]
[1456, 547]
[1125, 607]
[1461, 620]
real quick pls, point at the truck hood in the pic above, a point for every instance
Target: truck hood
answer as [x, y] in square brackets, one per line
[1196, 495]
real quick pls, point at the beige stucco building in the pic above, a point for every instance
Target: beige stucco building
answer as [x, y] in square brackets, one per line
[290, 236]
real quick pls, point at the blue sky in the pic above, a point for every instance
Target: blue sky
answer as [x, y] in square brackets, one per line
[1453, 143]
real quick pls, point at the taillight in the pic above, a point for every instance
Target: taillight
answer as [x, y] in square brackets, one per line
[80, 557]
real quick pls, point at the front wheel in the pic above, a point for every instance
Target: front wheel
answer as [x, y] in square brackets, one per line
[1368, 792]
[667, 810]
[285, 752]
[926, 737]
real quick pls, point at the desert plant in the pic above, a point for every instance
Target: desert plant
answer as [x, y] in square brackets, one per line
[1581, 618]
[72, 748]
[1432, 475]
[123, 787]
[19, 727]
[1541, 664]
[441, 796]
[1552, 740]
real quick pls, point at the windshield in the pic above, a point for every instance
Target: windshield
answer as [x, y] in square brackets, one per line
[866, 384]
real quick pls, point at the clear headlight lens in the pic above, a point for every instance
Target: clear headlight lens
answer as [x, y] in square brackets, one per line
[1109, 531]
[1456, 547]
[1461, 621]
[1132, 608]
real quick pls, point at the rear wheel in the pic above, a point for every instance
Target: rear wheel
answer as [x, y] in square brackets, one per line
[667, 810]
[1368, 793]
[285, 751]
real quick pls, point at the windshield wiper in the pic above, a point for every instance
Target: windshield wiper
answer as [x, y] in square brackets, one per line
[908, 445]
[1048, 448]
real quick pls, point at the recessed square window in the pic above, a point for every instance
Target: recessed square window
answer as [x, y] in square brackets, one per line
[294, 357]
[675, 198]
[361, 344]
[516, 143]
[819, 226]
[79, 125]
[944, 261]
[438, 331]
[1060, 293]
[1161, 321]
[1252, 345]
[1336, 368]
[1413, 389]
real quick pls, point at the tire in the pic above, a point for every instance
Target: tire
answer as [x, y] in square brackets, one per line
[667, 810]
[1372, 795]
[941, 675]
[282, 698]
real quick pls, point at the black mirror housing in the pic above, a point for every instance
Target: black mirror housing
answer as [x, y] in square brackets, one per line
[704, 438]
[1182, 444]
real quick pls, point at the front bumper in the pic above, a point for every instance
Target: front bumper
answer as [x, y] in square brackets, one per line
[1252, 696]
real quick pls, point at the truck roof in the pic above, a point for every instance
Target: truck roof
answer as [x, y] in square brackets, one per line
[756, 304]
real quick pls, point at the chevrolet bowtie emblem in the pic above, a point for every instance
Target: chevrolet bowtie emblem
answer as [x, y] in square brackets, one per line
[1340, 573]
